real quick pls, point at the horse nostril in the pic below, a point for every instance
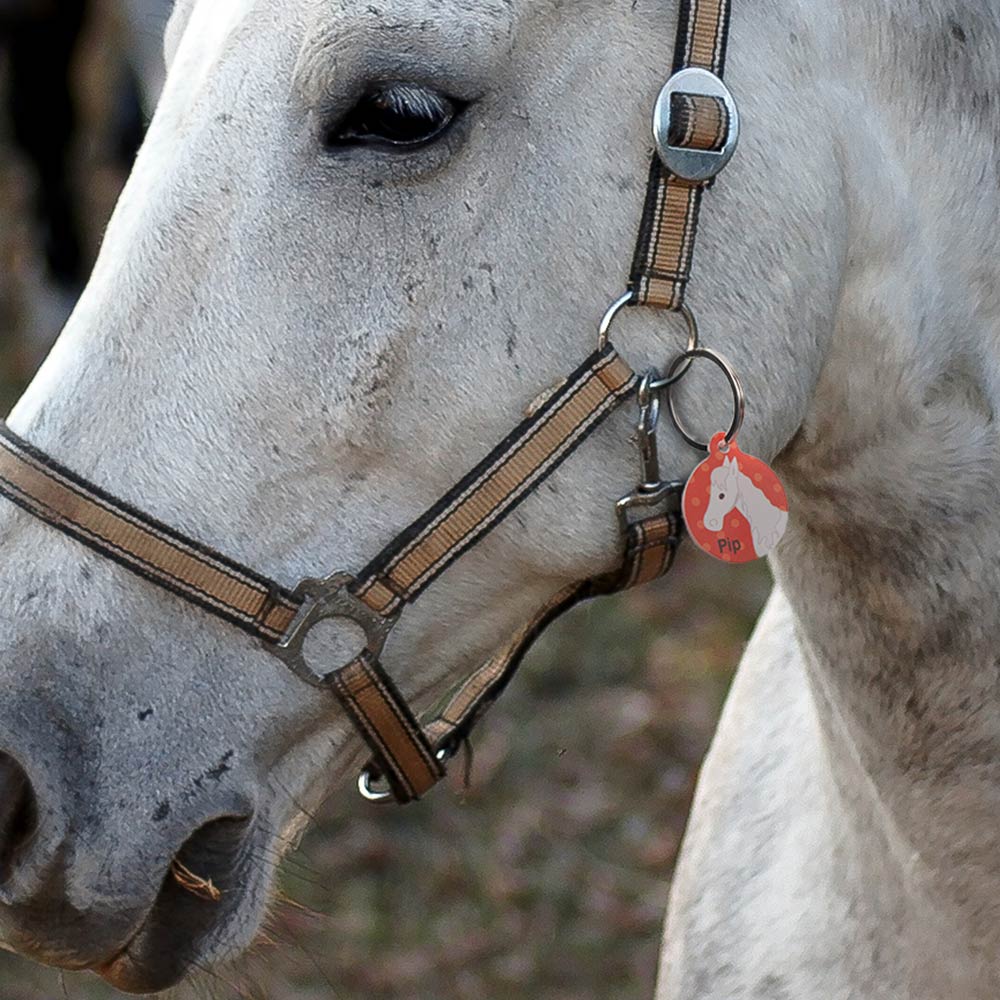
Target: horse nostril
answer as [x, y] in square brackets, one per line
[18, 814]
[201, 891]
[210, 857]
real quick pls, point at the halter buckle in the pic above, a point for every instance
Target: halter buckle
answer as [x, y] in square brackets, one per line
[324, 600]
[695, 165]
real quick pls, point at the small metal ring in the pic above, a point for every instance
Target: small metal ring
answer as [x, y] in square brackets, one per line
[628, 299]
[609, 317]
[367, 779]
[675, 373]
[370, 794]
[739, 395]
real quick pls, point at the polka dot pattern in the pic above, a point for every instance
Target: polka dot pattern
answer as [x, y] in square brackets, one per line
[707, 505]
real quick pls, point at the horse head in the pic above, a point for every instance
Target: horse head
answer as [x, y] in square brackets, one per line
[725, 493]
[357, 242]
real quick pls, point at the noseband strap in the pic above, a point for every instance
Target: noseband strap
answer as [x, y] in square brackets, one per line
[282, 618]
[696, 130]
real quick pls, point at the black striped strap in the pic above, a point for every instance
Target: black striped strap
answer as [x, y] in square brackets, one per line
[661, 265]
[276, 615]
[650, 548]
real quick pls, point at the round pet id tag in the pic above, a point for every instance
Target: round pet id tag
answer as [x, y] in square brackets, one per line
[734, 505]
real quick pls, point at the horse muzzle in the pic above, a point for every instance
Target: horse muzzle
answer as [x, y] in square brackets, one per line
[144, 921]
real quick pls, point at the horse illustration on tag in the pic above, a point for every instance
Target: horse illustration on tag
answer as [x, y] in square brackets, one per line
[734, 504]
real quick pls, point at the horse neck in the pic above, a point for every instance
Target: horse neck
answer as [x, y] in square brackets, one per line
[890, 562]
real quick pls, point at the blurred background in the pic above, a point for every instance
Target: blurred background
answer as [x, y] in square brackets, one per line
[546, 878]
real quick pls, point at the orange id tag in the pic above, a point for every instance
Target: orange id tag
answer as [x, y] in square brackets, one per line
[734, 504]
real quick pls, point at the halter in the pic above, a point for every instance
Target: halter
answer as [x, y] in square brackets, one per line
[696, 129]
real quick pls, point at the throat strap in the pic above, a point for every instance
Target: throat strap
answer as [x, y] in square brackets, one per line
[650, 548]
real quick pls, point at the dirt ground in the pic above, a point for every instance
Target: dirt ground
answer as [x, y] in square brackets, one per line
[548, 878]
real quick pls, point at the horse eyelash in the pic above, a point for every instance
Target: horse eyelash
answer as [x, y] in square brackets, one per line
[403, 99]
[417, 102]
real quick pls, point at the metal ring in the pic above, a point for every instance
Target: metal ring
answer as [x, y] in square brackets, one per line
[628, 299]
[369, 793]
[739, 395]
[680, 367]
[609, 317]
[367, 779]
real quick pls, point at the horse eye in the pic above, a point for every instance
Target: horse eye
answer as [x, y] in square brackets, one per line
[400, 114]
[722, 496]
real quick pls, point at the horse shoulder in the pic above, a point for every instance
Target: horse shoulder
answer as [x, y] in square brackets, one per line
[756, 868]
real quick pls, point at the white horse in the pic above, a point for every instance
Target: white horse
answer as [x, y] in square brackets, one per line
[297, 337]
[733, 489]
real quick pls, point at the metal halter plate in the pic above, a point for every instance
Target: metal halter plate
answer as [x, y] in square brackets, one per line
[694, 164]
[325, 600]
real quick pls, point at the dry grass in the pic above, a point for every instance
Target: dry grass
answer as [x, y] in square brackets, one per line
[548, 877]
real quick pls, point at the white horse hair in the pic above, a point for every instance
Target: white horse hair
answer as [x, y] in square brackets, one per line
[289, 348]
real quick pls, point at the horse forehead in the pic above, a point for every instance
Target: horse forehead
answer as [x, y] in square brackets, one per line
[331, 34]
[346, 39]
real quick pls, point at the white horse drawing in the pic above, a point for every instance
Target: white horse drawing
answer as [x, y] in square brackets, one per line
[301, 331]
[732, 488]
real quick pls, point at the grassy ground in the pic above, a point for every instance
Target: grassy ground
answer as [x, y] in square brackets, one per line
[548, 877]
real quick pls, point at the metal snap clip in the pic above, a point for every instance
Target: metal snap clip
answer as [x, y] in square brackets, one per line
[652, 492]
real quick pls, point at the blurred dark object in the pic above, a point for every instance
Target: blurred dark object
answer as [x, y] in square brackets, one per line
[128, 121]
[41, 37]
[15, 11]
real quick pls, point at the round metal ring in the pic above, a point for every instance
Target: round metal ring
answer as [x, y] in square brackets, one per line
[739, 395]
[609, 317]
[369, 792]
[367, 780]
[680, 367]
[628, 299]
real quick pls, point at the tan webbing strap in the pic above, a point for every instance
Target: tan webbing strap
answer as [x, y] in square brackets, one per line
[497, 485]
[650, 549]
[384, 719]
[470, 509]
[698, 122]
[140, 543]
[702, 35]
[661, 266]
